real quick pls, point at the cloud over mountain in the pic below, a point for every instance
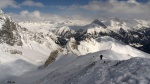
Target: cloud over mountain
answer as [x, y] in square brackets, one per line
[8, 3]
[93, 9]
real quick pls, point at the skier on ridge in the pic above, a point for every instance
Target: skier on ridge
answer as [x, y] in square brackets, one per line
[101, 57]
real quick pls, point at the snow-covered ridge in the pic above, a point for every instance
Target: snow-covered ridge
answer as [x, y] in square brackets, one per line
[103, 43]
[90, 71]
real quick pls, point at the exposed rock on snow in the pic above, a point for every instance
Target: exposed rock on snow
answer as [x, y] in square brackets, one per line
[9, 31]
[52, 57]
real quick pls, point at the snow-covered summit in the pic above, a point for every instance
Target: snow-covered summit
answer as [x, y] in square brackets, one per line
[98, 23]
[1, 12]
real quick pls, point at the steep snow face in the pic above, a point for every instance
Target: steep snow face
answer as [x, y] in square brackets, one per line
[84, 47]
[120, 47]
[63, 30]
[103, 43]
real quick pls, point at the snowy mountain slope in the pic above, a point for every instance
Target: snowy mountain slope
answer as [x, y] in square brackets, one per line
[16, 60]
[22, 50]
[120, 30]
[9, 31]
[14, 35]
[132, 32]
[88, 69]
[135, 70]
[103, 43]
[65, 67]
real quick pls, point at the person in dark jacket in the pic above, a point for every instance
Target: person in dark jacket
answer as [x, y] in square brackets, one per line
[101, 57]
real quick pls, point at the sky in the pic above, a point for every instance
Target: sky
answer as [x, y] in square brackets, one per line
[87, 10]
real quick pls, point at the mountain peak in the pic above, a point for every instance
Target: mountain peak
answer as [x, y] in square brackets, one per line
[98, 22]
[1, 12]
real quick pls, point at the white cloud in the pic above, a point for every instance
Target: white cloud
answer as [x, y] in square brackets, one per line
[71, 7]
[130, 6]
[32, 3]
[132, 1]
[113, 8]
[36, 15]
[8, 3]
[93, 10]
[14, 4]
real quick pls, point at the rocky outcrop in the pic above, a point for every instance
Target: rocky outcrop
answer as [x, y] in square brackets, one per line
[51, 58]
[9, 33]
[14, 51]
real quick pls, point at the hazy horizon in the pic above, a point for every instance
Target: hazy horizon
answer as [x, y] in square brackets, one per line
[86, 10]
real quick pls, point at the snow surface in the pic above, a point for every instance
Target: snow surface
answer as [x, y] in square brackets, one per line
[70, 68]
[105, 43]
[89, 69]
[17, 64]
[135, 71]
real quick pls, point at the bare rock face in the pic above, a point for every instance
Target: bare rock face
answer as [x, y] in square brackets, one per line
[14, 51]
[51, 58]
